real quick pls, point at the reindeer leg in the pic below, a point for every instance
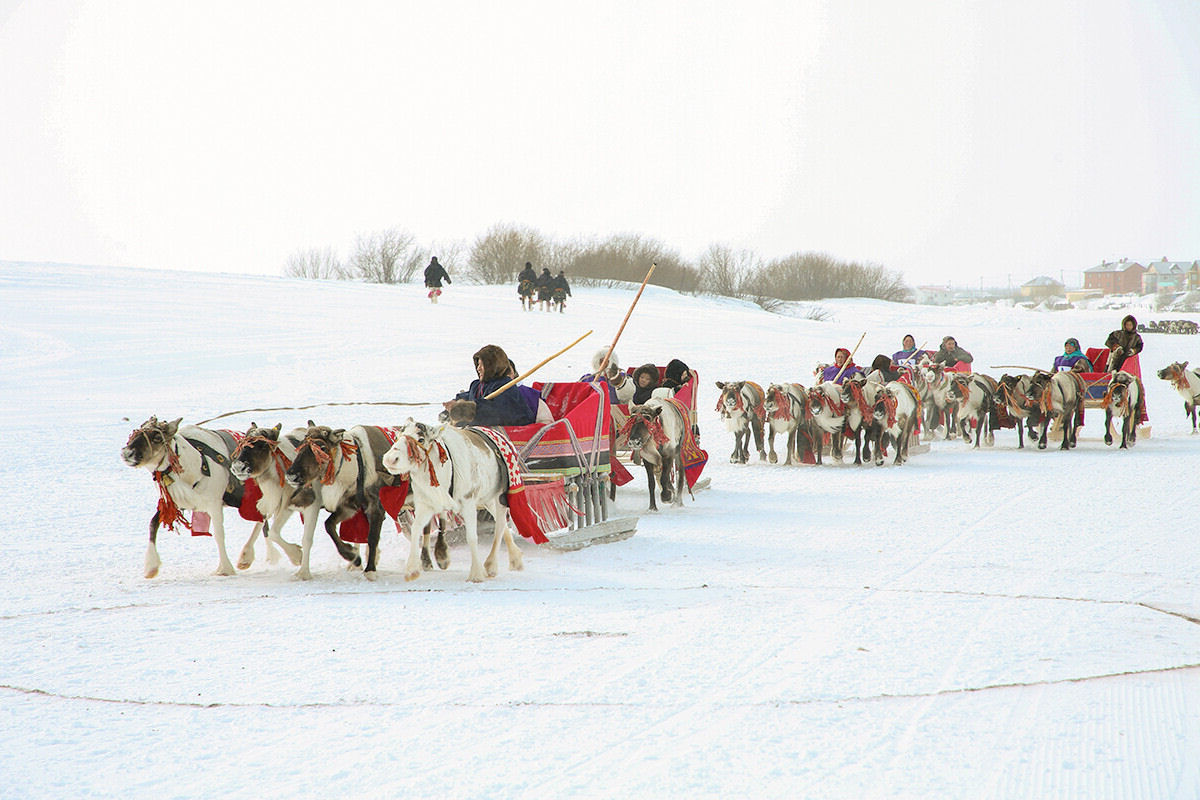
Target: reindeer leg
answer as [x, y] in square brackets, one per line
[346, 550]
[246, 557]
[1108, 415]
[757, 428]
[650, 483]
[152, 562]
[374, 525]
[426, 561]
[477, 573]
[273, 534]
[500, 515]
[224, 565]
[440, 554]
[310, 525]
[422, 517]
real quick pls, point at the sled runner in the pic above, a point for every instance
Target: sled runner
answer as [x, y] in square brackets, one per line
[571, 455]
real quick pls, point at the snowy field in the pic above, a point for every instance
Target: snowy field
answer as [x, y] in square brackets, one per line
[974, 624]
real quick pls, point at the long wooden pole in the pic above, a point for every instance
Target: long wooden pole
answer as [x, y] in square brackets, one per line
[604, 364]
[849, 358]
[535, 368]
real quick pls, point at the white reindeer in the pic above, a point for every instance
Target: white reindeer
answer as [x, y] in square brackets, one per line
[1187, 383]
[436, 458]
[1123, 399]
[191, 467]
[784, 405]
[741, 406]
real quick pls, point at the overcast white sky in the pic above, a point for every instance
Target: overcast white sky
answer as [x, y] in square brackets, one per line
[945, 140]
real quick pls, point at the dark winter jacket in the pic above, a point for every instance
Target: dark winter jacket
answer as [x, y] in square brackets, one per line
[545, 284]
[951, 357]
[673, 375]
[435, 274]
[642, 393]
[884, 366]
[560, 284]
[507, 408]
[527, 281]
[1130, 342]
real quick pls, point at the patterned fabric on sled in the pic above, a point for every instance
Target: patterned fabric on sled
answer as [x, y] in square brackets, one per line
[577, 441]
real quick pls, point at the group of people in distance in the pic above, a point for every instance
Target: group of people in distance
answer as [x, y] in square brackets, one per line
[1122, 343]
[550, 290]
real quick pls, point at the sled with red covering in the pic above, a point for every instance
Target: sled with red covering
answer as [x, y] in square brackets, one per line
[570, 458]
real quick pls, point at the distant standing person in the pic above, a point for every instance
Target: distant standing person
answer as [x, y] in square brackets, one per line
[950, 353]
[1123, 343]
[545, 288]
[526, 286]
[434, 275]
[560, 291]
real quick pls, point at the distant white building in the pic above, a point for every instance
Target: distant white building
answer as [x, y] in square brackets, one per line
[934, 295]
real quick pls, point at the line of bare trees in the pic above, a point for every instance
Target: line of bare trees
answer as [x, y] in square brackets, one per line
[496, 256]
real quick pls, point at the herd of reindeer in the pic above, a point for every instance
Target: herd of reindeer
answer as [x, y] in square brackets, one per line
[268, 475]
[928, 399]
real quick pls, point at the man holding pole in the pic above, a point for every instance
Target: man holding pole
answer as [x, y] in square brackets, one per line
[475, 406]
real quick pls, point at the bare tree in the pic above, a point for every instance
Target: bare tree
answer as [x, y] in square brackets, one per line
[316, 263]
[626, 258]
[389, 256]
[498, 255]
[723, 270]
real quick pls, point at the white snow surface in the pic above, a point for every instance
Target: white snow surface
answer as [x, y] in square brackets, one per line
[986, 623]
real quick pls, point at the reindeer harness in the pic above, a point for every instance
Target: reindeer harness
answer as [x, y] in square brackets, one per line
[282, 462]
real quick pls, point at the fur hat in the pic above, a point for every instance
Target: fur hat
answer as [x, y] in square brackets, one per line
[646, 369]
[598, 359]
[495, 362]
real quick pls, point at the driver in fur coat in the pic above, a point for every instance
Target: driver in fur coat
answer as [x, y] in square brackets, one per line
[507, 408]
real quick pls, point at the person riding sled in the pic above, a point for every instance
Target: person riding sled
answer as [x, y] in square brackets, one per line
[908, 350]
[527, 286]
[1072, 358]
[951, 354]
[435, 273]
[1123, 343]
[841, 357]
[510, 407]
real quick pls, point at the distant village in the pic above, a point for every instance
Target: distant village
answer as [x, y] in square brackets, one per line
[1160, 285]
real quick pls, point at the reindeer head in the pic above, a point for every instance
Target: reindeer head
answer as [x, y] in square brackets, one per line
[316, 456]
[644, 427]
[777, 402]
[1118, 389]
[253, 455]
[150, 444]
[731, 396]
[1175, 372]
[411, 454]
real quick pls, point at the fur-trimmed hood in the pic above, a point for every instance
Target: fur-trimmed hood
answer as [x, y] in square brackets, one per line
[495, 362]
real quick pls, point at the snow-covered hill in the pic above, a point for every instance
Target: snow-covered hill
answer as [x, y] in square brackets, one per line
[991, 623]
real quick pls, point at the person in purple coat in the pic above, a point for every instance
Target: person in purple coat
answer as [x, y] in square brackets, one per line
[841, 357]
[1072, 358]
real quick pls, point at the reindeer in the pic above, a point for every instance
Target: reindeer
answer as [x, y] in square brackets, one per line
[1124, 398]
[895, 411]
[190, 466]
[785, 407]
[1013, 392]
[344, 471]
[1187, 383]
[1060, 399]
[263, 457]
[827, 412]
[656, 431]
[939, 405]
[741, 405]
[858, 399]
[974, 395]
[455, 472]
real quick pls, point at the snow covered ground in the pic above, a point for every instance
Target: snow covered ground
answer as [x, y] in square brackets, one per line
[974, 624]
